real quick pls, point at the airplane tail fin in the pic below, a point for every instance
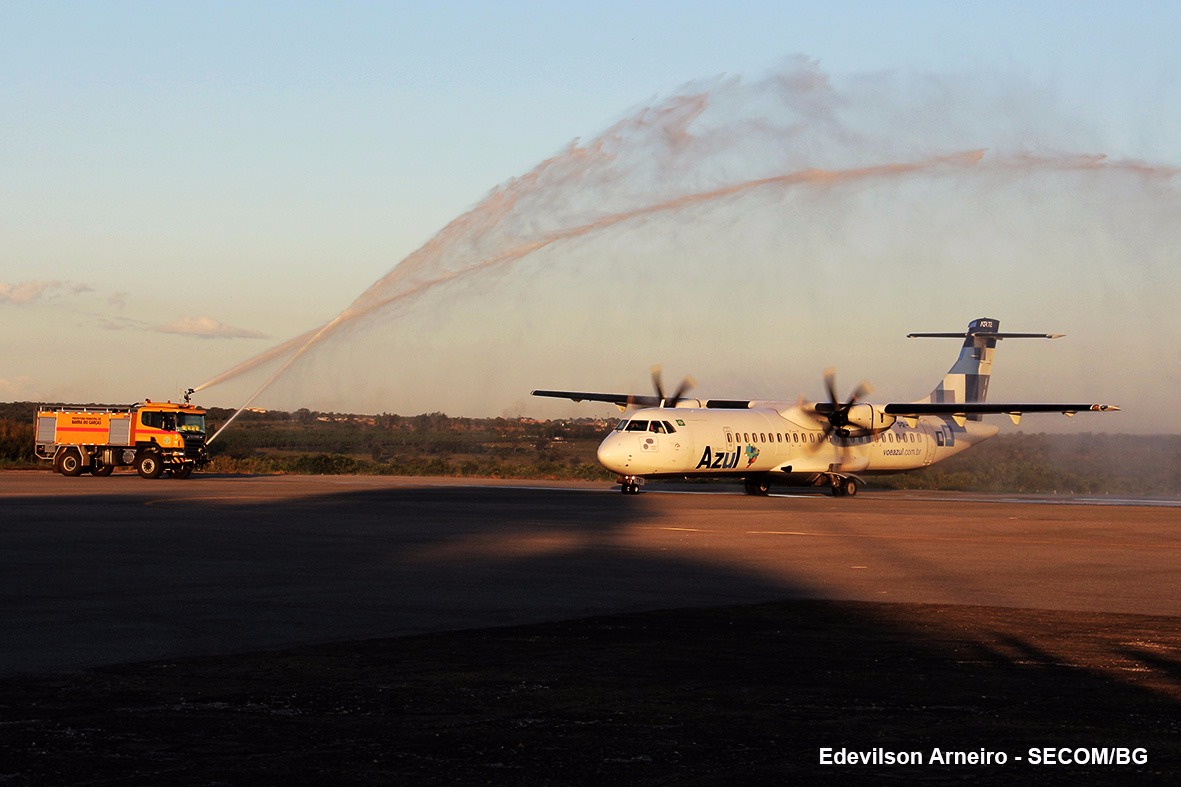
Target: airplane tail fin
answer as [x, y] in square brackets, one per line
[967, 379]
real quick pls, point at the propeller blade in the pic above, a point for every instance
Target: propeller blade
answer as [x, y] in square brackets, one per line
[814, 447]
[830, 377]
[686, 385]
[656, 382]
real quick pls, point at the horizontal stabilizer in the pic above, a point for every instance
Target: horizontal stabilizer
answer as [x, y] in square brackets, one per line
[988, 334]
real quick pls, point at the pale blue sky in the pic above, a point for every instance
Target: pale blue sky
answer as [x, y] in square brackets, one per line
[179, 180]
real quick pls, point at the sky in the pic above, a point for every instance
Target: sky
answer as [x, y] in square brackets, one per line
[185, 186]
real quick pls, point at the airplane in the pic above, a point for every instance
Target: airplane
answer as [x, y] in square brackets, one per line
[802, 443]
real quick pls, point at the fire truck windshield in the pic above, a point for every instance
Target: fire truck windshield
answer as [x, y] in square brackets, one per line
[190, 422]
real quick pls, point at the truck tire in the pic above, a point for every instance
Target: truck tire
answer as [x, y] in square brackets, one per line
[100, 468]
[70, 463]
[184, 471]
[149, 465]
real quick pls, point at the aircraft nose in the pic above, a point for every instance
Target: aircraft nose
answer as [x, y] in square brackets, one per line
[612, 455]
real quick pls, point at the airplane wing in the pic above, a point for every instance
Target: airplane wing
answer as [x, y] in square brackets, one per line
[619, 400]
[644, 400]
[985, 408]
[1014, 410]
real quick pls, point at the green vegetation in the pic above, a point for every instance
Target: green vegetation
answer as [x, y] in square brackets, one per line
[16, 434]
[428, 444]
[307, 442]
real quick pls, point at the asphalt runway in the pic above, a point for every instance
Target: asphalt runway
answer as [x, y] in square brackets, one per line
[100, 571]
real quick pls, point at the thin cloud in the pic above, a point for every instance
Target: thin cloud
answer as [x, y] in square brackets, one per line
[26, 292]
[18, 389]
[208, 328]
[118, 323]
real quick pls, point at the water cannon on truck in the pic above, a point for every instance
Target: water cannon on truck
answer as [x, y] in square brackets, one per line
[152, 437]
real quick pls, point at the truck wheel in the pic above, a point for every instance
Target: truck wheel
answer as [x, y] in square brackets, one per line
[149, 465]
[101, 469]
[70, 463]
[184, 471]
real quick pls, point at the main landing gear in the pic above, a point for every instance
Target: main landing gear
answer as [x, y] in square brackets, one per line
[844, 486]
[756, 486]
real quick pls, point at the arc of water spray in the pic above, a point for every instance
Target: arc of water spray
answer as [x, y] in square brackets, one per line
[315, 336]
[363, 306]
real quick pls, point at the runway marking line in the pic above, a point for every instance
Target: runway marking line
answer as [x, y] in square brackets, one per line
[967, 539]
[237, 498]
[782, 533]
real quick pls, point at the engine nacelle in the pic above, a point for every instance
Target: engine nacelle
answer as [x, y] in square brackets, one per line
[869, 418]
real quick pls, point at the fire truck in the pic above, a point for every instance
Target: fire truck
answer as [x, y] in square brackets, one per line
[152, 437]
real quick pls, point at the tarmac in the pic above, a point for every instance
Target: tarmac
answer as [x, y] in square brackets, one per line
[354, 586]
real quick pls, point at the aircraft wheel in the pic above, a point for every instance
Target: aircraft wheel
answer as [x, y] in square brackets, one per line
[845, 487]
[756, 486]
[148, 465]
[101, 469]
[70, 463]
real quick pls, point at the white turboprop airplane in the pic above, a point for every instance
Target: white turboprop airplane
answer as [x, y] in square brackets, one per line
[811, 443]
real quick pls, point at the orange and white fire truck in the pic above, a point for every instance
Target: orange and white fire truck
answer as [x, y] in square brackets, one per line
[154, 437]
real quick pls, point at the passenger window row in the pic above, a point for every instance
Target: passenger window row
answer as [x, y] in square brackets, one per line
[812, 437]
[664, 427]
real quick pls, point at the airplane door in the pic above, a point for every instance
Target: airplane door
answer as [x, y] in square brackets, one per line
[928, 447]
[932, 436]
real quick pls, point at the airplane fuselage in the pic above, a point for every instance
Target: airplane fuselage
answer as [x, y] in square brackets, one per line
[778, 442]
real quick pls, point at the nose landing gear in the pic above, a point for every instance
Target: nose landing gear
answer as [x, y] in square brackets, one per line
[631, 484]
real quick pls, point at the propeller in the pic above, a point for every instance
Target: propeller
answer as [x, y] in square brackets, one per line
[685, 386]
[836, 413]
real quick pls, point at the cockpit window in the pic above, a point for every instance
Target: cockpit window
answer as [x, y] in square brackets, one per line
[619, 426]
[669, 427]
[637, 426]
[657, 427]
